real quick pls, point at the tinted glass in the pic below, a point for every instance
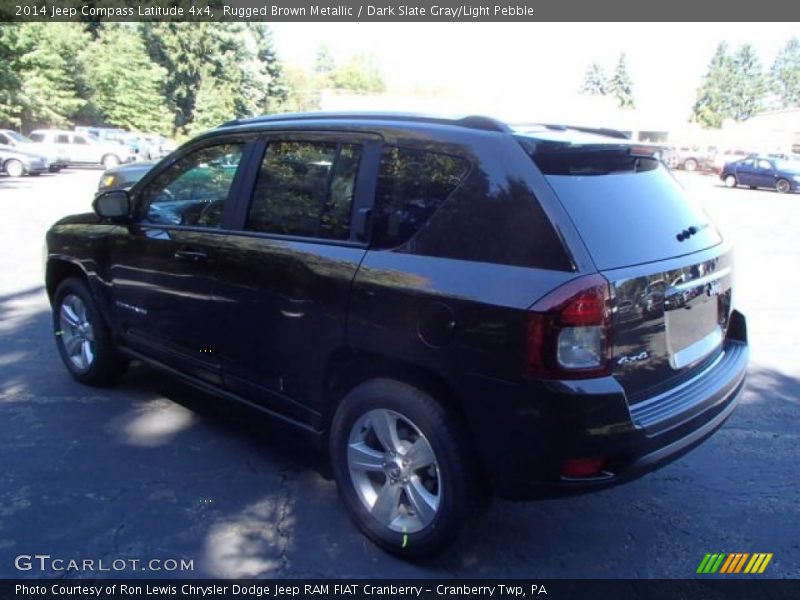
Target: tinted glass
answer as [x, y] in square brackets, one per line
[62, 139]
[193, 191]
[412, 184]
[305, 189]
[4, 139]
[78, 139]
[629, 210]
[37, 137]
[16, 136]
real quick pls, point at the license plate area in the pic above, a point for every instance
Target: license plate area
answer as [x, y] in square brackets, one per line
[694, 317]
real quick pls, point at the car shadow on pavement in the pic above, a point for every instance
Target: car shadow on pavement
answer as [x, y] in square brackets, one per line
[151, 468]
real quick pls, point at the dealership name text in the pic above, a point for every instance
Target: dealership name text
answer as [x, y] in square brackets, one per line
[200, 591]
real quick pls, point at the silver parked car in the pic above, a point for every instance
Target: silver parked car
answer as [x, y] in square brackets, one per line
[82, 149]
[17, 163]
[57, 157]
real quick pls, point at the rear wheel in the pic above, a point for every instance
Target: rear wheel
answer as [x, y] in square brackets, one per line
[15, 168]
[690, 164]
[730, 181]
[82, 336]
[783, 186]
[402, 467]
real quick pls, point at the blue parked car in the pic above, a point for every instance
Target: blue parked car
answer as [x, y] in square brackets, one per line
[761, 172]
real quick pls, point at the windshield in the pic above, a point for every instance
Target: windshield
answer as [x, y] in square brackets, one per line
[17, 137]
[628, 209]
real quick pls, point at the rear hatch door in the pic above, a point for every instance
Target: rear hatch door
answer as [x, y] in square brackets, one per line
[669, 270]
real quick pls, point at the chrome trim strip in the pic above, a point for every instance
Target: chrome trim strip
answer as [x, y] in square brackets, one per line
[681, 287]
[700, 349]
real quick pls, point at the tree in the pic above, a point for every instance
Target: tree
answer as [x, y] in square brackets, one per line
[713, 104]
[785, 74]
[621, 86]
[215, 104]
[359, 74]
[595, 81]
[324, 64]
[10, 108]
[749, 85]
[125, 85]
[179, 49]
[52, 88]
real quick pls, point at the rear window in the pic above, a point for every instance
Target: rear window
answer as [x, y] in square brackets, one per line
[628, 209]
[37, 137]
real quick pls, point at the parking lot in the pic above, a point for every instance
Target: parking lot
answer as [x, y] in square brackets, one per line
[151, 469]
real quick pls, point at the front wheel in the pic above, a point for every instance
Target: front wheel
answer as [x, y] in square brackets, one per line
[403, 467]
[82, 336]
[690, 164]
[783, 186]
[730, 181]
[15, 168]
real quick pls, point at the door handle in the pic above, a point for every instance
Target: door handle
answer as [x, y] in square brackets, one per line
[190, 254]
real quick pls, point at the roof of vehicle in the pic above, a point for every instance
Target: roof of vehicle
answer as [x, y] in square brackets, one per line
[474, 122]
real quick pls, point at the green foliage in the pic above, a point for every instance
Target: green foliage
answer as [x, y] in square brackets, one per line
[734, 87]
[621, 86]
[785, 74]
[10, 107]
[595, 81]
[749, 85]
[124, 85]
[712, 106]
[324, 64]
[215, 103]
[360, 74]
[51, 84]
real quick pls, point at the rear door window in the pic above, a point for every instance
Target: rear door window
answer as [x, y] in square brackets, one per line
[305, 189]
[412, 184]
[37, 137]
[62, 139]
[628, 208]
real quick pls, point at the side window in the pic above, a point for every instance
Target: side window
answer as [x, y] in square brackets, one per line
[765, 164]
[37, 137]
[4, 139]
[79, 139]
[193, 191]
[62, 139]
[412, 184]
[305, 189]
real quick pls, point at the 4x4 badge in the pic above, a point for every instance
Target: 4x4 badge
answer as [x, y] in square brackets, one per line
[633, 358]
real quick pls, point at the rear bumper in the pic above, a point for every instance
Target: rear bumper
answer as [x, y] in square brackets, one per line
[524, 451]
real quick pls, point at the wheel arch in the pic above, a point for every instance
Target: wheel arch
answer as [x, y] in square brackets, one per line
[59, 269]
[349, 367]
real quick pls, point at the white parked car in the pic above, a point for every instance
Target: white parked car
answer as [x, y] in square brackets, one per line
[82, 149]
[57, 158]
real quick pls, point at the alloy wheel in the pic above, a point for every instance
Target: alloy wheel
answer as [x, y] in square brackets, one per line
[76, 332]
[394, 471]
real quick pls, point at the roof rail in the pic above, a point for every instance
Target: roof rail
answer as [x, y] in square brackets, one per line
[615, 133]
[471, 121]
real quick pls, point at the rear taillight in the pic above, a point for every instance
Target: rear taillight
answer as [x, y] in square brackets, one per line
[569, 331]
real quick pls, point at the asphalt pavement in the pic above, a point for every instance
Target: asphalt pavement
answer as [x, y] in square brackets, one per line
[150, 469]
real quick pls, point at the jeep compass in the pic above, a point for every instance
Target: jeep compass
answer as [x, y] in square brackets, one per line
[452, 307]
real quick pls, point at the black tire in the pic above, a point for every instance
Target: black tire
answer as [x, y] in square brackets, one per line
[783, 186]
[730, 180]
[690, 164]
[458, 484]
[53, 169]
[107, 365]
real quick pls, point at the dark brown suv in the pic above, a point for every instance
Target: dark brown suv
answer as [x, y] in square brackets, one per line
[453, 307]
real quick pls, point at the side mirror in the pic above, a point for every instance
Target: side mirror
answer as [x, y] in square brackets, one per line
[115, 204]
